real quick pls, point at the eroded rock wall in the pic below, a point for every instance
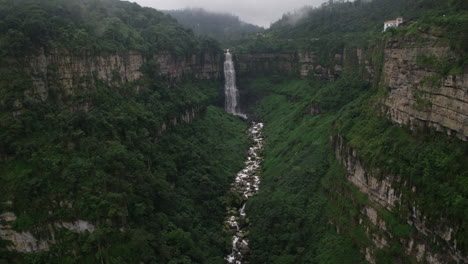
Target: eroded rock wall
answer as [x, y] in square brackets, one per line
[72, 73]
[423, 95]
[432, 242]
[203, 66]
[41, 238]
[255, 64]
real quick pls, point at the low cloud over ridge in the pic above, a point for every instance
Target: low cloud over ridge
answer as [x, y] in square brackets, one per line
[259, 12]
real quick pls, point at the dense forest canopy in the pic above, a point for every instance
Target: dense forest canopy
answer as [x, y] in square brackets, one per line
[100, 25]
[358, 23]
[153, 197]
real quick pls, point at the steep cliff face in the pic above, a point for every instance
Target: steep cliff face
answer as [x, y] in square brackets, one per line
[432, 240]
[73, 73]
[302, 64]
[203, 66]
[423, 92]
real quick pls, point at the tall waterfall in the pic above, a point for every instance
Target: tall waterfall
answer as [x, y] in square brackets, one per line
[230, 89]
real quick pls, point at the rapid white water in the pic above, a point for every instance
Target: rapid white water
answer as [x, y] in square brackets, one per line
[246, 184]
[232, 94]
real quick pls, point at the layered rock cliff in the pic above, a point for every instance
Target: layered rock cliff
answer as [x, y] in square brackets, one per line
[73, 73]
[432, 240]
[301, 64]
[424, 91]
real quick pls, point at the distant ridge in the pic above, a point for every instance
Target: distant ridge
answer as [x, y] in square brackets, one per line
[222, 26]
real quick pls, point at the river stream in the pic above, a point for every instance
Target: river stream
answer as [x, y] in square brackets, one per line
[246, 184]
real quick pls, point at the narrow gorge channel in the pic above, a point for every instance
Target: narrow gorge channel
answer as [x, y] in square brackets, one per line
[247, 181]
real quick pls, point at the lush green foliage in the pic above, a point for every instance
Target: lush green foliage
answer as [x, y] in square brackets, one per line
[289, 217]
[96, 25]
[112, 155]
[436, 165]
[329, 28]
[110, 166]
[304, 188]
[224, 27]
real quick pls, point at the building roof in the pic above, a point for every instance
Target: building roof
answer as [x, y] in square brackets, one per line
[390, 21]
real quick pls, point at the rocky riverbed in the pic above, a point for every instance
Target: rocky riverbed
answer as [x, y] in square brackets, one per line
[246, 184]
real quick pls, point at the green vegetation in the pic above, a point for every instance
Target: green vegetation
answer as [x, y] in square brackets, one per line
[441, 66]
[329, 28]
[289, 217]
[155, 198]
[91, 25]
[433, 163]
[107, 154]
[224, 27]
[421, 103]
[156, 192]
[304, 187]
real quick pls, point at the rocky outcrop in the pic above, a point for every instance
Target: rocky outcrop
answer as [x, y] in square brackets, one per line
[40, 239]
[432, 243]
[185, 117]
[310, 66]
[72, 73]
[314, 109]
[75, 73]
[421, 94]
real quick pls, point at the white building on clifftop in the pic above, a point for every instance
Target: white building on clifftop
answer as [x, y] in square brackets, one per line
[393, 23]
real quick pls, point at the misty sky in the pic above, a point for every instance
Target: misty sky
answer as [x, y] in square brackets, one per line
[260, 12]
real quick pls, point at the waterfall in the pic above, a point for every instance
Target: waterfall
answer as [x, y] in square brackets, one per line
[230, 89]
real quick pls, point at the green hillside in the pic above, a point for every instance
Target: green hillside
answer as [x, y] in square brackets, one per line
[99, 25]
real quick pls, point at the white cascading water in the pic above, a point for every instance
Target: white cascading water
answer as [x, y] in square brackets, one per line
[246, 184]
[230, 89]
